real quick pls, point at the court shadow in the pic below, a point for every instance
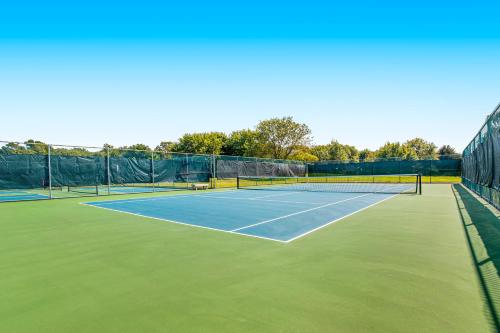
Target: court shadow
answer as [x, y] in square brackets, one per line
[482, 228]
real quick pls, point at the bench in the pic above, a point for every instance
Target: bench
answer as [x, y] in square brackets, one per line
[196, 187]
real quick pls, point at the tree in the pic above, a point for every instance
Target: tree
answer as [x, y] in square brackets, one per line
[14, 148]
[352, 152]
[138, 146]
[322, 152]
[367, 155]
[340, 152]
[138, 150]
[395, 150]
[73, 151]
[166, 147]
[242, 143]
[446, 150]
[301, 155]
[421, 148]
[202, 143]
[279, 136]
[108, 148]
[37, 147]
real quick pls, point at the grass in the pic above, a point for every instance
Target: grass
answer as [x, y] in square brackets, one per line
[441, 179]
[231, 182]
[400, 266]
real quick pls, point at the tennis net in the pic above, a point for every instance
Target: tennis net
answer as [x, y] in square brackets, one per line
[84, 189]
[396, 184]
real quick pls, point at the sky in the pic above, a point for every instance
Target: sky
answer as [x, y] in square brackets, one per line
[360, 72]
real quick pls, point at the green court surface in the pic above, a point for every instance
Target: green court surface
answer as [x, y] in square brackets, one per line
[403, 265]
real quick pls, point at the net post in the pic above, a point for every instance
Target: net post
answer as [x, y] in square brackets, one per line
[50, 171]
[153, 169]
[238, 181]
[419, 184]
[108, 171]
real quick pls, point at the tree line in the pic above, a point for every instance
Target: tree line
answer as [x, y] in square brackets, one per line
[278, 138]
[283, 138]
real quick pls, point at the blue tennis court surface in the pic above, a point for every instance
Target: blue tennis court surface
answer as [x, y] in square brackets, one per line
[279, 216]
[20, 195]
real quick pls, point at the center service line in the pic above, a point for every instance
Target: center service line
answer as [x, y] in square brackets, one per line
[301, 212]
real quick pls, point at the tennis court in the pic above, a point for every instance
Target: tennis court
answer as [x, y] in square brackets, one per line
[74, 191]
[21, 195]
[275, 208]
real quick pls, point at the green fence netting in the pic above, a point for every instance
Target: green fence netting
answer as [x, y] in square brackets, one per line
[229, 167]
[40, 171]
[481, 161]
[23, 171]
[77, 170]
[438, 170]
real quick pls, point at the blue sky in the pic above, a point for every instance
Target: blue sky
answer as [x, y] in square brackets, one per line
[363, 72]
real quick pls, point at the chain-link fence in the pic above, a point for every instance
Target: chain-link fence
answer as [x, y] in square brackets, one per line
[35, 171]
[440, 169]
[481, 160]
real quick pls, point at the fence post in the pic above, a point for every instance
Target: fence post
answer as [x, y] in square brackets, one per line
[214, 176]
[238, 166]
[153, 169]
[108, 171]
[50, 172]
[187, 171]
[399, 170]
[430, 171]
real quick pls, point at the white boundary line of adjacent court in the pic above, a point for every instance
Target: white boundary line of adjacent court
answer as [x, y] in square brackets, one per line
[235, 231]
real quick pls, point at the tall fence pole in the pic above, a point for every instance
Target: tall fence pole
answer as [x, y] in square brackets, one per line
[50, 172]
[238, 166]
[153, 170]
[187, 171]
[399, 170]
[108, 171]
[430, 171]
[214, 176]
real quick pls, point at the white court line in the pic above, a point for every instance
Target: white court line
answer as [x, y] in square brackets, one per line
[183, 223]
[233, 231]
[277, 195]
[340, 218]
[301, 212]
[205, 195]
[267, 200]
[159, 197]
